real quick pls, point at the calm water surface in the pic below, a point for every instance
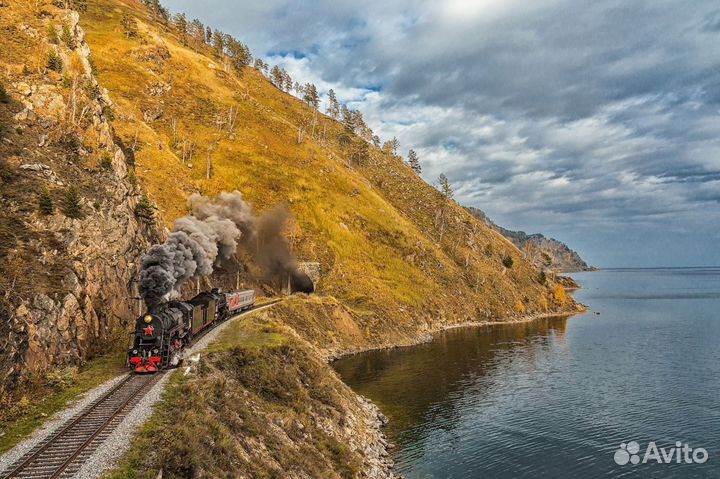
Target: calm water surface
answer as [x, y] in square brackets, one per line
[555, 398]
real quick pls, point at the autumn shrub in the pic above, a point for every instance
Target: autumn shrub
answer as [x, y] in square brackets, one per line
[507, 261]
[4, 97]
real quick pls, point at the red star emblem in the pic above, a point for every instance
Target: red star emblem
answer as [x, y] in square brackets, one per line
[149, 331]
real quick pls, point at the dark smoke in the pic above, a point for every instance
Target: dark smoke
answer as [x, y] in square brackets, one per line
[212, 233]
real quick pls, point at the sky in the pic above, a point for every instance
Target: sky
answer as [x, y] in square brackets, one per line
[591, 121]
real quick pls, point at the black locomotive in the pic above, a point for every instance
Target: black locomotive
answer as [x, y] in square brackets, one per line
[162, 334]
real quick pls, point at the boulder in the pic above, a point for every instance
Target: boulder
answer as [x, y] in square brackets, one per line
[23, 88]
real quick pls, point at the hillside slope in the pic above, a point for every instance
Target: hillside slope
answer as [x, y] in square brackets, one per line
[121, 129]
[372, 224]
[543, 252]
[70, 239]
[119, 117]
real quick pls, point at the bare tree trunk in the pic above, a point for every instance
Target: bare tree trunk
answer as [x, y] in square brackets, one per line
[173, 122]
[209, 164]
[314, 121]
[232, 118]
[134, 146]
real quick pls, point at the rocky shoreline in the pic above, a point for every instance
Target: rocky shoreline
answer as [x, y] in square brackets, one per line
[380, 463]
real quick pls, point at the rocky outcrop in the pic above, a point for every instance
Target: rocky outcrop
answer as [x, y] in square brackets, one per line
[87, 264]
[545, 253]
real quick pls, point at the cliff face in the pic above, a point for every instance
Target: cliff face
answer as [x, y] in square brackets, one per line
[557, 255]
[66, 274]
[544, 253]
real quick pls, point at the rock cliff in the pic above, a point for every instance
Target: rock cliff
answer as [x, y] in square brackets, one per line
[68, 270]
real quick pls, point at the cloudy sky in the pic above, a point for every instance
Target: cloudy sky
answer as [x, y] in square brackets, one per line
[595, 122]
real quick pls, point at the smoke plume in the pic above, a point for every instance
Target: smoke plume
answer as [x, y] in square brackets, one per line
[211, 233]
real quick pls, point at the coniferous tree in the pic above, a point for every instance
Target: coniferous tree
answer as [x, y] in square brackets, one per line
[359, 126]
[67, 37]
[288, 83]
[238, 52]
[197, 34]
[52, 35]
[333, 108]
[71, 204]
[447, 194]
[159, 12]
[54, 61]
[445, 187]
[390, 147]
[276, 76]
[414, 162]
[181, 24]
[310, 95]
[129, 25]
[346, 118]
[395, 144]
[4, 97]
[218, 43]
[144, 210]
[79, 5]
[45, 203]
[208, 35]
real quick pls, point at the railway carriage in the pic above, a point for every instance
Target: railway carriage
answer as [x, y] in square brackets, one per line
[162, 334]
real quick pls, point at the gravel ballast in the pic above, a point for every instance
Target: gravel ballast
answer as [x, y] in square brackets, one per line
[60, 418]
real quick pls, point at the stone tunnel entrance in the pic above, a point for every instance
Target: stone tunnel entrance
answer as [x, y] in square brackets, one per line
[305, 279]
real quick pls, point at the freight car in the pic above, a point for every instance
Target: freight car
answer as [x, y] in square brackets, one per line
[162, 334]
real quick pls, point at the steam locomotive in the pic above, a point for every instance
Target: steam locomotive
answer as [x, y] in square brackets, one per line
[162, 334]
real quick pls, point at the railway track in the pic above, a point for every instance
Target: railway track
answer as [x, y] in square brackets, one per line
[63, 452]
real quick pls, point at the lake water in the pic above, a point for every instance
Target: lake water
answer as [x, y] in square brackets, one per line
[556, 398]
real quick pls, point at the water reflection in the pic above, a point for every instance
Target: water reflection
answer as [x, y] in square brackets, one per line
[425, 383]
[555, 398]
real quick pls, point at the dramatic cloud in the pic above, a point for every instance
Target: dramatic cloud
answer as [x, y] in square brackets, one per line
[594, 122]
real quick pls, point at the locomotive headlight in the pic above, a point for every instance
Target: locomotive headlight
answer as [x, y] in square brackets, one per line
[134, 351]
[148, 319]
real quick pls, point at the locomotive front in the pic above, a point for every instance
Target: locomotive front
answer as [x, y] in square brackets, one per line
[159, 337]
[146, 352]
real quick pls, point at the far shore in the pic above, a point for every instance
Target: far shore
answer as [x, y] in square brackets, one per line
[427, 336]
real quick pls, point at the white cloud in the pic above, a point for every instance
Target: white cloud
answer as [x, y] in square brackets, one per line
[571, 118]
